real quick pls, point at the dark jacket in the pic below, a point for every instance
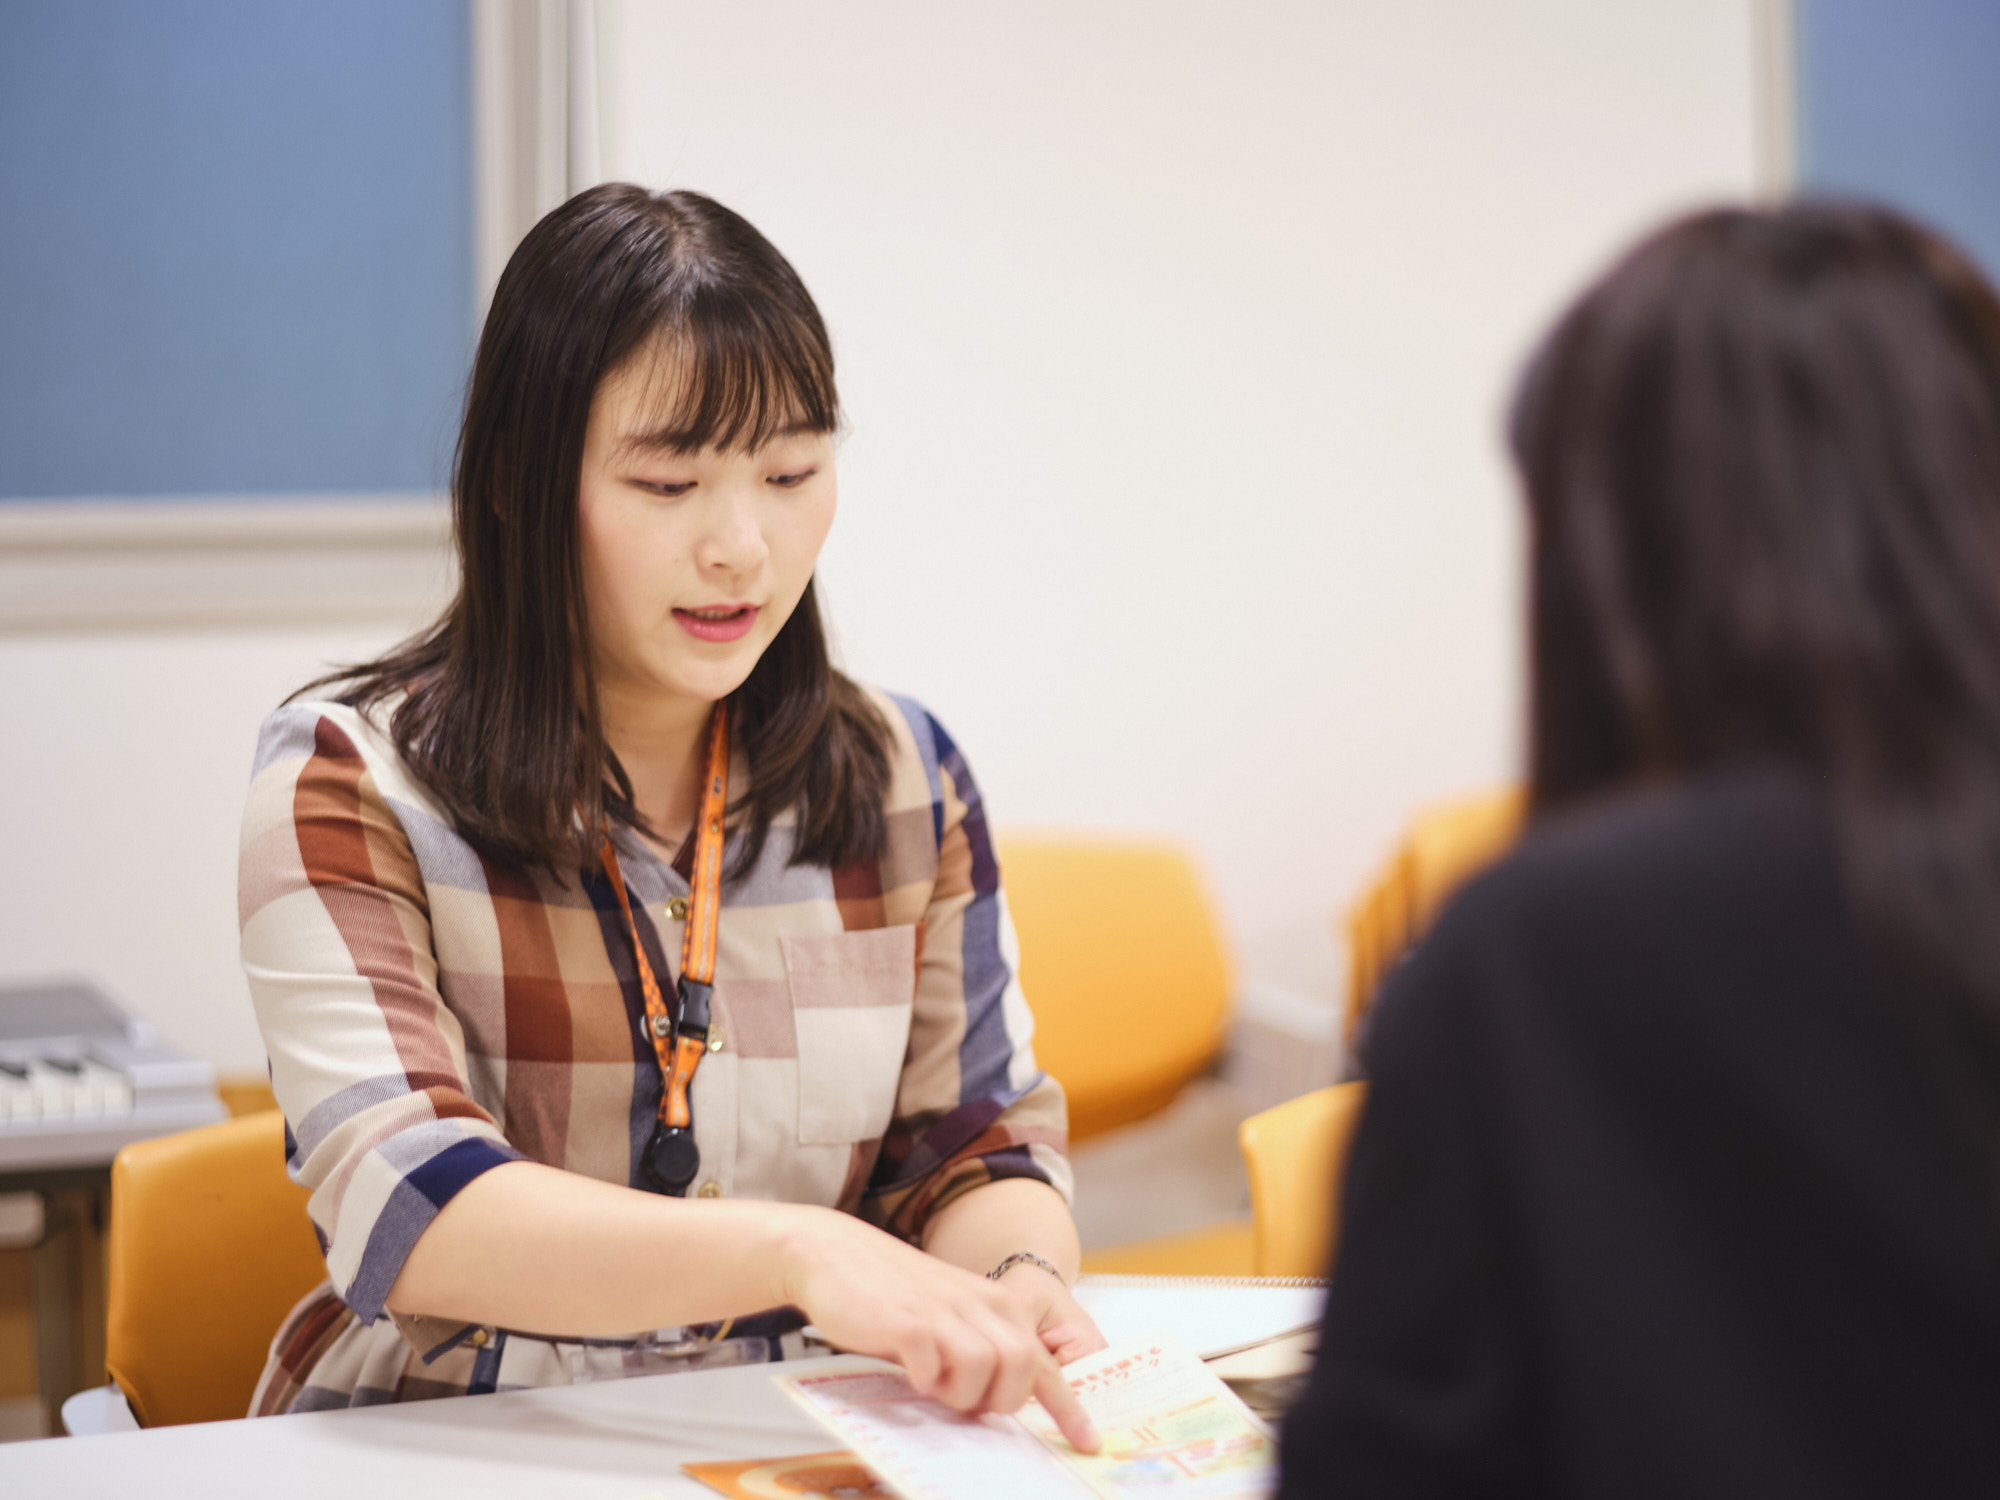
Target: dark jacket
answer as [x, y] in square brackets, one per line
[1653, 1195]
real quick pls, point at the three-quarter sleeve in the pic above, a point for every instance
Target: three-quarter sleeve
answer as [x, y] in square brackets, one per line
[367, 1061]
[972, 1106]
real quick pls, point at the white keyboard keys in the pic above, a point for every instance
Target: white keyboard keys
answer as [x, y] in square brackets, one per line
[53, 1084]
[18, 1102]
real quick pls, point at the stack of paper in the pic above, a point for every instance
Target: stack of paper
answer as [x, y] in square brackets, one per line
[1212, 1315]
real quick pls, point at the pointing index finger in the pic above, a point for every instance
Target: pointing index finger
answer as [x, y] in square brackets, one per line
[1060, 1402]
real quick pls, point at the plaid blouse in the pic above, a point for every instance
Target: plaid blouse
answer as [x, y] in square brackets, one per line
[430, 1014]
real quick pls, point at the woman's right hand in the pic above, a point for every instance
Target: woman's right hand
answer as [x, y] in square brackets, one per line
[958, 1337]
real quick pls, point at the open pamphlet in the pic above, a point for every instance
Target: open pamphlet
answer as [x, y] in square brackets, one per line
[1257, 1334]
[1171, 1429]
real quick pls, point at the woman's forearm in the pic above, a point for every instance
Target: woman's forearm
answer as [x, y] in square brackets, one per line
[981, 1228]
[535, 1248]
[630, 1261]
[545, 1251]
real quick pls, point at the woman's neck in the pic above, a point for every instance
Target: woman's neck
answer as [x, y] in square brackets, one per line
[662, 743]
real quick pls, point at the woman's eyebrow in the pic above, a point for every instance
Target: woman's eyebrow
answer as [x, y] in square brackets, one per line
[677, 442]
[665, 440]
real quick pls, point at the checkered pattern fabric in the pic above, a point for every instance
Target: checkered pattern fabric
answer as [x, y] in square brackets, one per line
[430, 1014]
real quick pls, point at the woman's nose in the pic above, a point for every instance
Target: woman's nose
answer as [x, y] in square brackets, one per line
[734, 541]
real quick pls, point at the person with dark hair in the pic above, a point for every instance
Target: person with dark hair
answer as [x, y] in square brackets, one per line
[1680, 1168]
[637, 987]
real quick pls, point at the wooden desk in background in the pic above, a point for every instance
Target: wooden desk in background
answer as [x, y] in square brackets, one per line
[80, 1078]
[52, 1292]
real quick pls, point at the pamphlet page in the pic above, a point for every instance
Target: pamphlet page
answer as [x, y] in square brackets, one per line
[922, 1449]
[1170, 1428]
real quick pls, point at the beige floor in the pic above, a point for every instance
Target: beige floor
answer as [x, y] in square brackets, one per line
[1177, 1170]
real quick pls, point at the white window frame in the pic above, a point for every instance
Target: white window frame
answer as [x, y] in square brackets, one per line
[173, 562]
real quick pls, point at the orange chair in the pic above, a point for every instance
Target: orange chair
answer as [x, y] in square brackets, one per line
[1122, 963]
[1296, 1153]
[209, 1248]
[1446, 844]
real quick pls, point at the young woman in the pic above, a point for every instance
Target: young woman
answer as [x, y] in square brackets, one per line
[1680, 1172]
[637, 987]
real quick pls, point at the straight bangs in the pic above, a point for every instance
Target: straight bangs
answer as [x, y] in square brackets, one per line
[732, 375]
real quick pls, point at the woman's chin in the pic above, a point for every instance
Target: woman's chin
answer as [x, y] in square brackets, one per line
[710, 682]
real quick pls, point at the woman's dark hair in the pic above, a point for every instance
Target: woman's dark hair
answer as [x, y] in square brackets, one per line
[1762, 464]
[499, 717]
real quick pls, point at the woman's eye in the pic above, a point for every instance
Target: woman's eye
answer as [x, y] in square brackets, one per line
[795, 479]
[667, 487]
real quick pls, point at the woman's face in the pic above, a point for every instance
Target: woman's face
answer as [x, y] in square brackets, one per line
[691, 561]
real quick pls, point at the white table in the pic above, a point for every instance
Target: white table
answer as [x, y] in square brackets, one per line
[616, 1440]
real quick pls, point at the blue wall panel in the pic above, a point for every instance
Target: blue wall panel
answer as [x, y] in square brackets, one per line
[1900, 100]
[235, 244]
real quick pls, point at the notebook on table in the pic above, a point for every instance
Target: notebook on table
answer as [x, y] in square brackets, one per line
[1212, 1315]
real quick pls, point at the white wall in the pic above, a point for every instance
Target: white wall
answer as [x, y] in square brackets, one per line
[1173, 337]
[123, 762]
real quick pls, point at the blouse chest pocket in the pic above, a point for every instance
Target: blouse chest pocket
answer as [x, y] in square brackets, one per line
[851, 998]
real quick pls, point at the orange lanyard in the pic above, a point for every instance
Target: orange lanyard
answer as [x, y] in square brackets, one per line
[671, 1157]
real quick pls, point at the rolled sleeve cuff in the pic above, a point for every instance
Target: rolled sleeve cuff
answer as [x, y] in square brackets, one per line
[969, 1172]
[412, 1204]
[984, 1140]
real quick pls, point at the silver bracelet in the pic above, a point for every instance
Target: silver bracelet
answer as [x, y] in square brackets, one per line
[1025, 1257]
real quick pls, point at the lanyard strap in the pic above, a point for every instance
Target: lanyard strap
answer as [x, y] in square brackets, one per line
[679, 1045]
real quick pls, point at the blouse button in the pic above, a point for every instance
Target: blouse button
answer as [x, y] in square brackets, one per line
[677, 909]
[711, 1189]
[480, 1337]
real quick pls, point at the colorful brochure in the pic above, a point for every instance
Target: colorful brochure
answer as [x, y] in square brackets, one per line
[805, 1476]
[1171, 1431]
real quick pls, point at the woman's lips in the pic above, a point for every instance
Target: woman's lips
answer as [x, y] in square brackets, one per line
[726, 622]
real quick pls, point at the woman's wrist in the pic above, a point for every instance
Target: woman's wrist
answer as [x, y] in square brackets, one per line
[806, 1240]
[792, 1248]
[982, 1227]
[1027, 1258]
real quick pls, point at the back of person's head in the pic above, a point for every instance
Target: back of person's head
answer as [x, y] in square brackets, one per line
[1762, 465]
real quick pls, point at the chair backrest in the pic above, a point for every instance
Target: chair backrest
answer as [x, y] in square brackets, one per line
[1295, 1153]
[210, 1247]
[1121, 961]
[1446, 844]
